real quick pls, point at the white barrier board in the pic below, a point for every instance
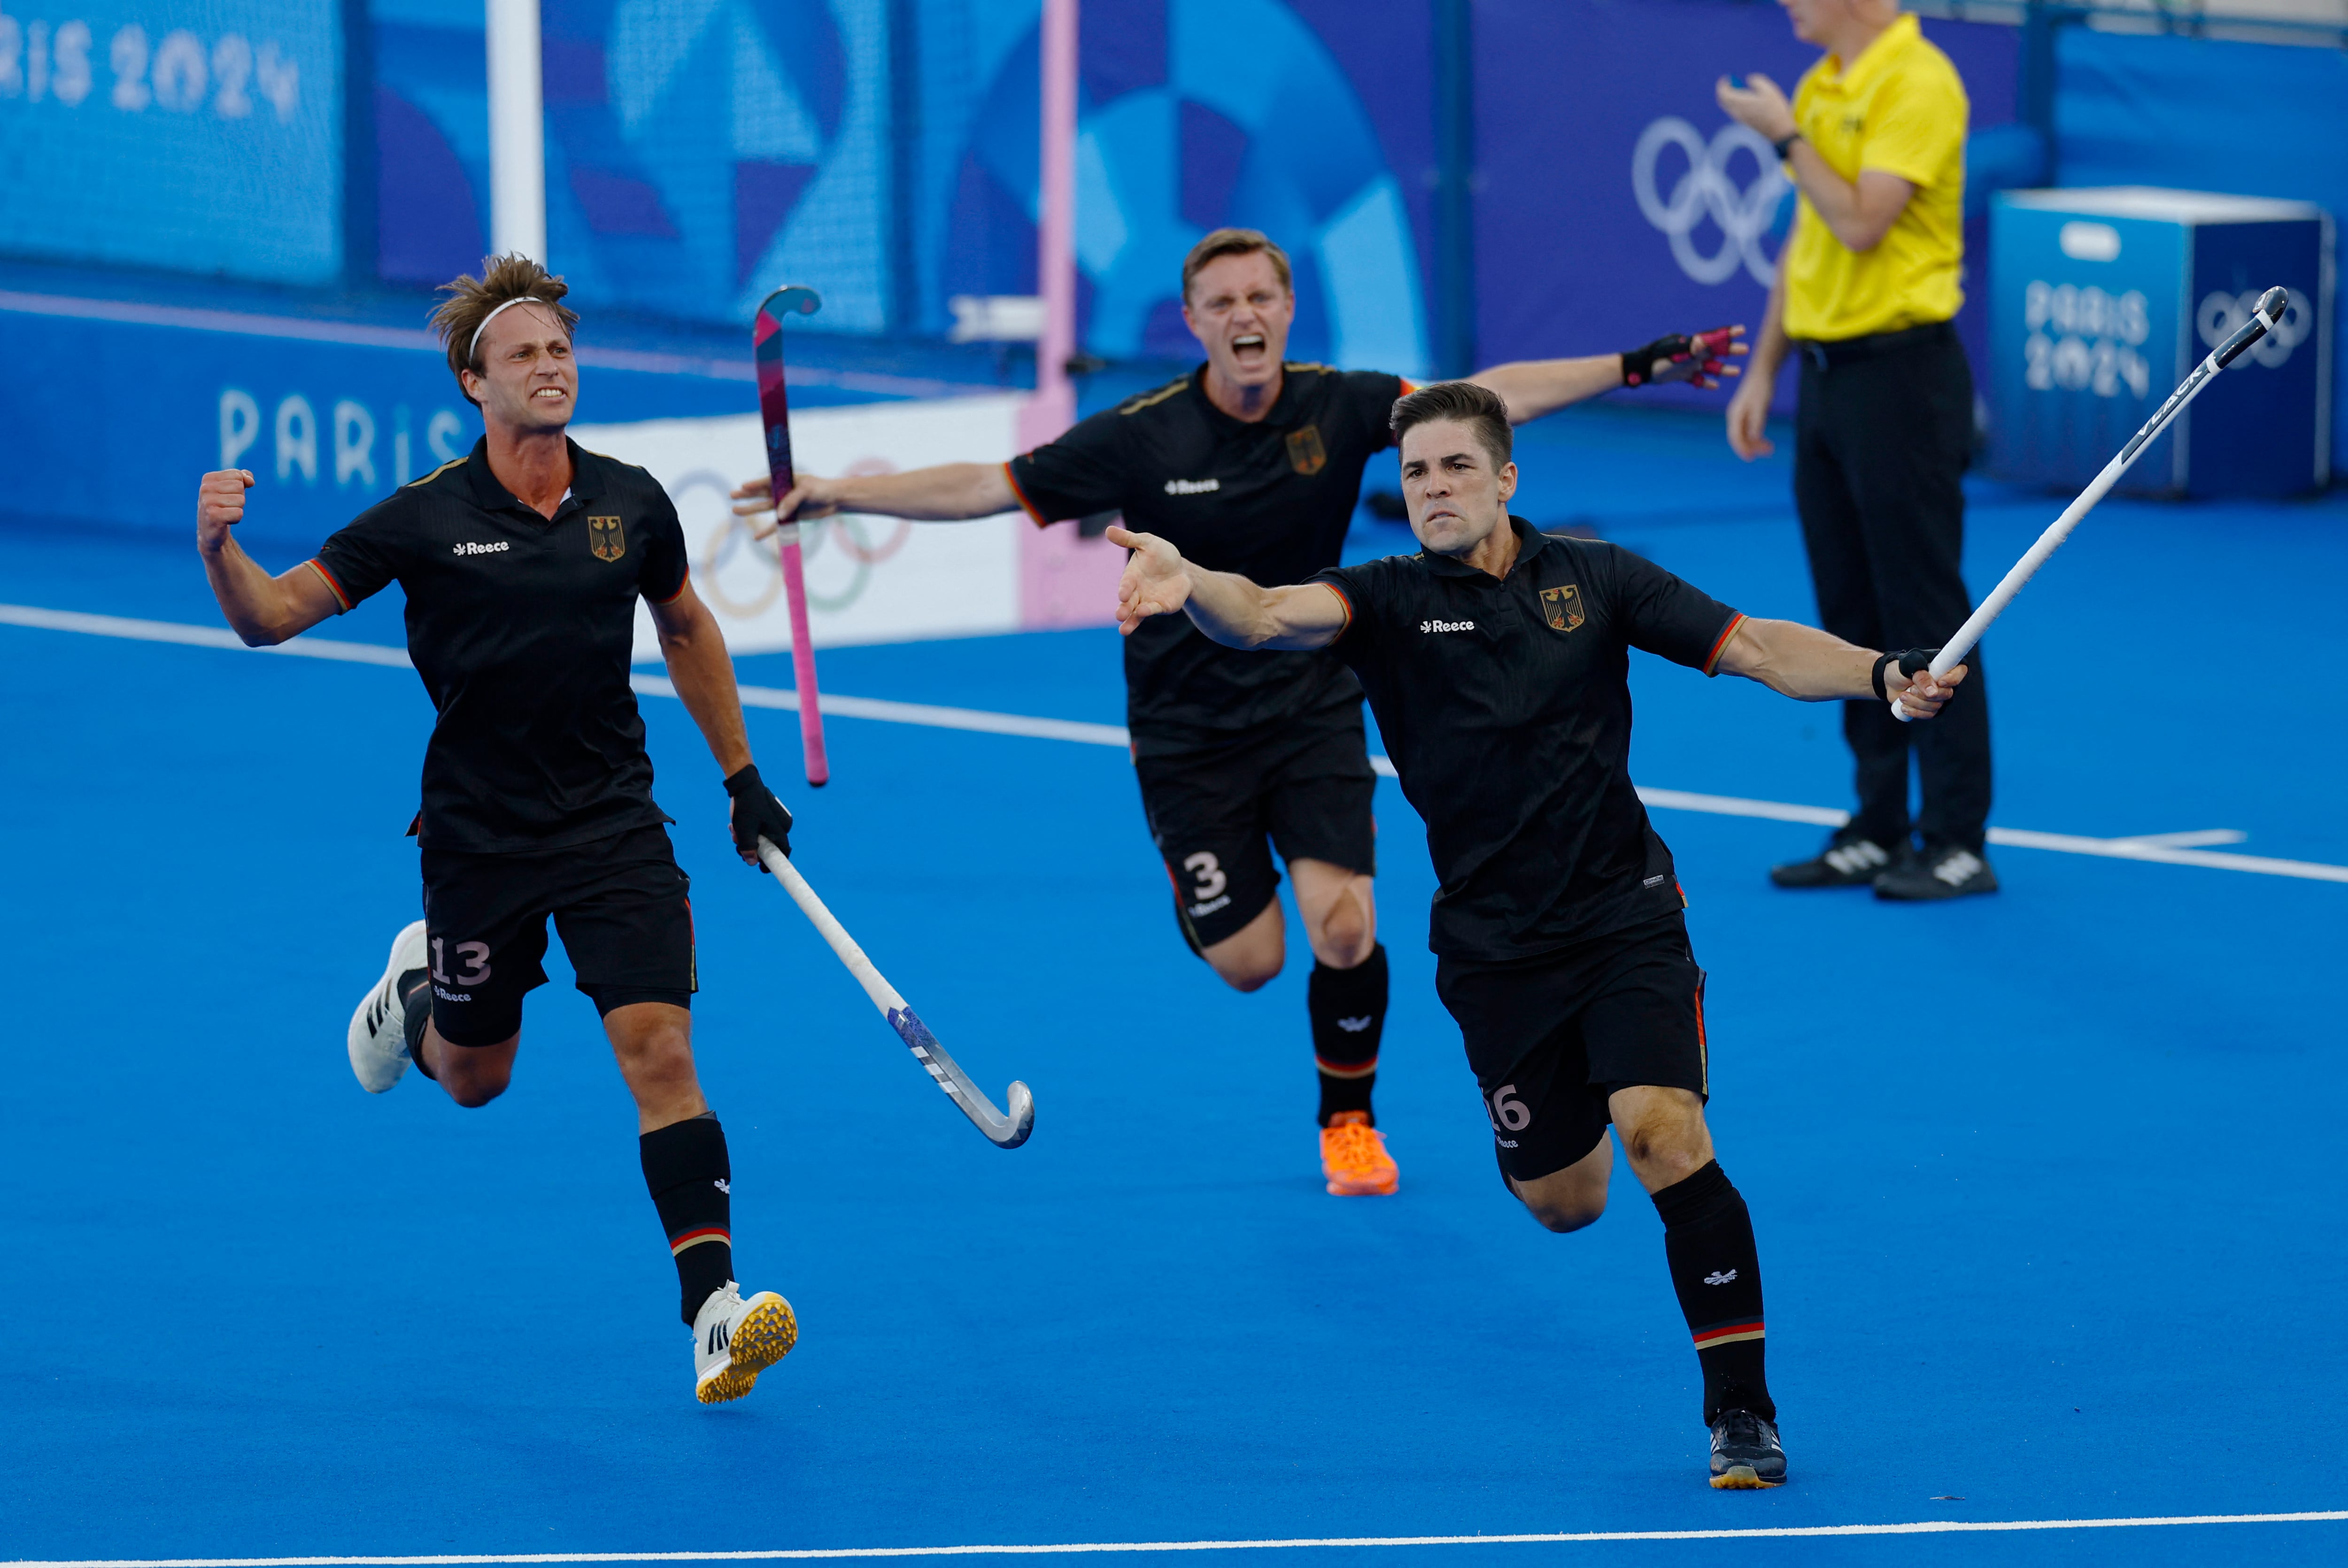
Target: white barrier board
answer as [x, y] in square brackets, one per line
[870, 579]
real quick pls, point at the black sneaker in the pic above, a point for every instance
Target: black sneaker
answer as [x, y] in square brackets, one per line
[1942, 870]
[1848, 860]
[1745, 1455]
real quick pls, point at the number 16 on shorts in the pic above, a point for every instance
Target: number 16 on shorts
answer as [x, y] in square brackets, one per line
[1509, 1114]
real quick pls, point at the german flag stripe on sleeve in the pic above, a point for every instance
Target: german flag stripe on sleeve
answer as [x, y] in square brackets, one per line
[1037, 518]
[1348, 604]
[682, 584]
[1720, 644]
[318, 566]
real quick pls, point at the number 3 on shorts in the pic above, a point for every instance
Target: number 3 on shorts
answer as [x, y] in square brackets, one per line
[1508, 1112]
[1210, 872]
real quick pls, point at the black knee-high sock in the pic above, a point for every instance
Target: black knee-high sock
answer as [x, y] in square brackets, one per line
[687, 1171]
[415, 1000]
[1716, 1270]
[1348, 1008]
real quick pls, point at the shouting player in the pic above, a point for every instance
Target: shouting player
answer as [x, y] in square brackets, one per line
[1497, 661]
[522, 563]
[1251, 464]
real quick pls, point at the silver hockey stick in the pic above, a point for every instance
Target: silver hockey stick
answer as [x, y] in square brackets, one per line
[1002, 1131]
[2271, 304]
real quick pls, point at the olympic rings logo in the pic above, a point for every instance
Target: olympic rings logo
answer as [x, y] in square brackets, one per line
[1706, 190]
[731, 540]
[2223, 315]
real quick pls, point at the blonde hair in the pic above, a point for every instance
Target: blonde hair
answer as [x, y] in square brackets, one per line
[504, 281]
[1233, 242]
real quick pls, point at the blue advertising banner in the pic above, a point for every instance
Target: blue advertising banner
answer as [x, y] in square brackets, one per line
[1616, 200]
[199, 136]
[698, 155]
[329, 417]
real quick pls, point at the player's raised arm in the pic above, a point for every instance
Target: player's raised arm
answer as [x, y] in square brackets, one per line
[1228, 607]
[1810, 665]
[1532, 387]
[948, 492]
[260, 609]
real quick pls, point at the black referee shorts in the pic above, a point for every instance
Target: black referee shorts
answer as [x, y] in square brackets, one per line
[1303, 789]
[1550, 1037]
[619, 905]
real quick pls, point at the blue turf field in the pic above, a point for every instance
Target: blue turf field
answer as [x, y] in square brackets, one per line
[2046, 1183]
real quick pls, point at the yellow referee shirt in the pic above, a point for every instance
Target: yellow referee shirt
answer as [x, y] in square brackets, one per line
[1901, 107]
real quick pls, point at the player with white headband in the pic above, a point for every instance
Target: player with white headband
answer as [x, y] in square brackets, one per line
[522, 562]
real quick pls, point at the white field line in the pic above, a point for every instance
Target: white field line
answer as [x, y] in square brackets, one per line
[1071, 1548]
[2163, 849]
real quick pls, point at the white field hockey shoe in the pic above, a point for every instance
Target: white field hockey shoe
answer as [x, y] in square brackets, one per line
[733, 1340]
[378, 1039]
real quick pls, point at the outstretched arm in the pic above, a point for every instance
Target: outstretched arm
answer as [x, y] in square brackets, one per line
[1229, 608]
[1810, 665]
[260, 609]
[949, 492]
[1532, 387]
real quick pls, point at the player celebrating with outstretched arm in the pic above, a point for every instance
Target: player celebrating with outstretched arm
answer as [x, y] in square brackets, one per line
[1496, 661]
[1252, 464]
[522, 563]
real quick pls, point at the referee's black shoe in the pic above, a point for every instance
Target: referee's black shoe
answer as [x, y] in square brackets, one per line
[1849, 860]
[1942, 870]
[1746, 1453]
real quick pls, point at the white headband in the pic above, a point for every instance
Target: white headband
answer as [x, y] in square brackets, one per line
[471, 348]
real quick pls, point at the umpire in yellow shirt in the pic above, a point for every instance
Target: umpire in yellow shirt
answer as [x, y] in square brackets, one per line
[1875, 138]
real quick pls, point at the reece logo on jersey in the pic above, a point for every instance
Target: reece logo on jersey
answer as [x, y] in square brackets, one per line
[1192, 487]
[1446, 625]
[469, 548]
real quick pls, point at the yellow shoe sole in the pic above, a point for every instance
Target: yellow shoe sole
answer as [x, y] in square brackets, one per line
[1740, 1478]
[765, 1336]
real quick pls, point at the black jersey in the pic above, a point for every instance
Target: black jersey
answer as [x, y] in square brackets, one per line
[1506, 705]
[1269, 501]
[521, 627]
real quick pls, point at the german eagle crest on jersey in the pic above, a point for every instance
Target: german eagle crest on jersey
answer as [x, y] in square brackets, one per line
[606, 538]
[1306, 453]
[1563, 606]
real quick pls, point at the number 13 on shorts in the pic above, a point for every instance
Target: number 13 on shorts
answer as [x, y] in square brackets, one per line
[474, 955]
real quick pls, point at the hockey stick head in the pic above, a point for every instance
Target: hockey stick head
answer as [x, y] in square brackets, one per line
[794, 300]
[1022, 1118]
[774, 401]
[2271, 304]
[1005, 1131]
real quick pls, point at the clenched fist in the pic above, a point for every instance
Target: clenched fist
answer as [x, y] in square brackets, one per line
[220, 505]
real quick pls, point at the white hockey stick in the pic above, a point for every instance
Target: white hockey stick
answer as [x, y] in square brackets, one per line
[2271, 304]
[1002, 1131]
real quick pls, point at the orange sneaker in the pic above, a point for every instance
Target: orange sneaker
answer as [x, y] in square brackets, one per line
[1353, 1156]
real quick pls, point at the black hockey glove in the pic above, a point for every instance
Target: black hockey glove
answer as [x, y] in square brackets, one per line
[1679, 357]
[757, 814]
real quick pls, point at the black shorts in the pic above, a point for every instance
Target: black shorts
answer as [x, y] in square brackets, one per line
[1551, 1038]
[1305, 787]
[619, 904]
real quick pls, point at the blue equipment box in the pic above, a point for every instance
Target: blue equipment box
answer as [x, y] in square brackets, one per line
[2102, 300]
